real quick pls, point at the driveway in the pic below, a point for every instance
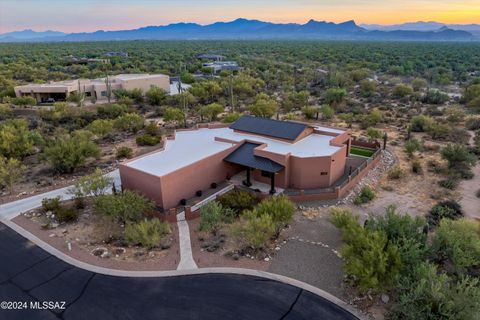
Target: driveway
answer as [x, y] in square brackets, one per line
[12, 209]
[27, 273]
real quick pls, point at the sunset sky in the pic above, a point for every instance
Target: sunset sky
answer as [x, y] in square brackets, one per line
[91, 15]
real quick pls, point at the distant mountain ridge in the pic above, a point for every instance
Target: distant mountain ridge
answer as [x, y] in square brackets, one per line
[424, 26]
[247, 29]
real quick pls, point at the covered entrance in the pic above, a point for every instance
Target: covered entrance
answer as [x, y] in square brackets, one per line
[244, 156]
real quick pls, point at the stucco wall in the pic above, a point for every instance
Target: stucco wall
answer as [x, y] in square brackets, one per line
[146, 184]
[183, 183]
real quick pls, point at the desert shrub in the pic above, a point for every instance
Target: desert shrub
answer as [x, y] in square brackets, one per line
[68, 152]
[459, 242]
[147, 140]
[396, 173]
[428, 294]
[420, 123]
[473, 123]
[130, 122]
[417, 167]
[101, 127]
[366, 195]
[152, 129]
[146, 233]
[211, 216]
[66, 214]
[450, 184]
[111, 111]
[404, 231]
[310, 112]
[238, 201]
[448, 209]
[50, 204]
[459, 158]
[280, 208]
[94, 185]
[124, 152]
[125, 206]
[412, 146]
[371, 261]
[254, 230]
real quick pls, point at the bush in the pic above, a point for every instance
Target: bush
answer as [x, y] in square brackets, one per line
[68, 152]
[412, 146]
[473, 123]
[231, 117]
[95, 184]
[147, 233]
[238, 201]
[420, 123]
[396, 173]
[279, 208]
[404, 231]
[211, 217]
[111, 111]
[417, 167]
[147, 140]
[427, 294]
[125, 206]
[52, 204]
[371, 261]
[366, 195]
[450, 184]
[449, 209]
[130, 122]
[253, 229]
[459, 242]
[66, 214]
[124, 152]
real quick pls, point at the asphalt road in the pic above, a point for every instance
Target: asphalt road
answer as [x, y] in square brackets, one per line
[29, 274]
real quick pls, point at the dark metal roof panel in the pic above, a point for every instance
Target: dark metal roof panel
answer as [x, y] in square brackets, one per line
[244, 156]
[269, 127]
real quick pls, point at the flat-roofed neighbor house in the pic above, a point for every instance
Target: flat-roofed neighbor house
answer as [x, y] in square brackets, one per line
[97, 88]
[282, 154]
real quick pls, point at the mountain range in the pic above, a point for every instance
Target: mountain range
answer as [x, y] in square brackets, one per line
[255, 29]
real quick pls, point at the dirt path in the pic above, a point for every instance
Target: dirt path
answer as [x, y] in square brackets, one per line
[468, 189]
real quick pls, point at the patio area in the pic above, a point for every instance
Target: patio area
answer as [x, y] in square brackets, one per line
[256, 186]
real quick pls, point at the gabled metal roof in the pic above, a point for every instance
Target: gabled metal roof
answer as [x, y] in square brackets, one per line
[268, 127]
[244, 156]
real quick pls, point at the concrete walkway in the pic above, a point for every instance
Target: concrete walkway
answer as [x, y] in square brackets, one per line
[186, 256]
[12, 209]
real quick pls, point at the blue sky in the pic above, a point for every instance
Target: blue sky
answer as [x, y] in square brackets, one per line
[90, 15]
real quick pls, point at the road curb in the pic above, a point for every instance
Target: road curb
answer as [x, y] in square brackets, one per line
[174, 273]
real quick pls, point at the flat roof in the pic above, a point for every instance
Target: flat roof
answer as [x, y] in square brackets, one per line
[189, 147]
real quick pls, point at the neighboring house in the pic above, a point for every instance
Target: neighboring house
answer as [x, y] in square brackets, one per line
[282, 154]
[116, 54]
[219, 66]
[210, 56]
[97, 88]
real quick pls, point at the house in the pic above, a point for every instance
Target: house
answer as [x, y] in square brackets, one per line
[96, 88]
[210, 56]
[219, 66]
[116, 54]
[279, 154]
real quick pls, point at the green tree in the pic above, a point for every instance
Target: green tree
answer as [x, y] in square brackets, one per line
[335, 96]
[92, 185]
[67, 152]
[156, 96]
[175, 115]
[402, 90]
[16, 140]
[11, 170]
[280, 208]
[412, 146]
[211, 111]
[374, 134]
[264, 106]
[101, 128]
[458, 157]
[368, 88]
[418, 84]
[130, 122]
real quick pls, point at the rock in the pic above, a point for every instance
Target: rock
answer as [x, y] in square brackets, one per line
[119, 251]
[49, 214]
[151, 254]
[99, 251]
[105, 255]
[53, 225]
[235, 256]
[385, 298]
[52, 235]
[266, 259]
[277, 248]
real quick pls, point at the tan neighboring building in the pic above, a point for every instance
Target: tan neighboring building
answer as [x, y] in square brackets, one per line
[282, 154]
[97, 88]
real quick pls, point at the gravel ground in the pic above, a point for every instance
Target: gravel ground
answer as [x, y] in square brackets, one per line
[309, 253]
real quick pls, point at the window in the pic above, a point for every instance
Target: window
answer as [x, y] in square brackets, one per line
[266, 174]
[103, 93]
[323, 173]
[88, 94]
